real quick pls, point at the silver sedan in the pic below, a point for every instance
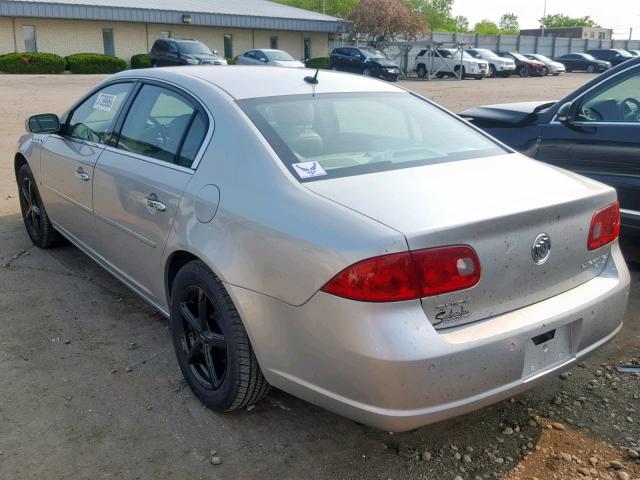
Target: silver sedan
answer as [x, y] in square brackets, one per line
[335, 236]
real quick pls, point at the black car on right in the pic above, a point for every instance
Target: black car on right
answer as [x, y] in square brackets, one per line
[611, 55]
[594, 131]
[583, 61]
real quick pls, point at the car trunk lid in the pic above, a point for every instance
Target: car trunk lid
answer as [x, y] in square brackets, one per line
[498, 206]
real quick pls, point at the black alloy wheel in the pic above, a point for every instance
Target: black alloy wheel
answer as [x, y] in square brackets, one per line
[34, 215]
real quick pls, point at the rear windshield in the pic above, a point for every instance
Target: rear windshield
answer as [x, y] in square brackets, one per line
[280, 56]
[337, 135]
[194, 48]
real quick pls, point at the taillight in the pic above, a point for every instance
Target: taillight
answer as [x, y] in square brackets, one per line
[408, 275]
[605, 226]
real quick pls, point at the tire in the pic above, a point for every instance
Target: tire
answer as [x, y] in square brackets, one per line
[544, 72]
[334, 68]
[492, 71]
[457, 72]
[591, 69]
[523, 71]
[215, 356]
[367, 73]
[154, 64]
[421, 71]
[34, 215]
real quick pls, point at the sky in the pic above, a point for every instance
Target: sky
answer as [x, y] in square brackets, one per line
[621, 15]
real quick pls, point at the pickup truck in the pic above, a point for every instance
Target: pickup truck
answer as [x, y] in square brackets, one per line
[450, 62]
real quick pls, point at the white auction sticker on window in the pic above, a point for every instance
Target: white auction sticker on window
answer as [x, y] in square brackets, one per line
[104, 102]
[309, 169]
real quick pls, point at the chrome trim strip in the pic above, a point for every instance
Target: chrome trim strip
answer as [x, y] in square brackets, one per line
[129, 232]
[104, 264]
[630, 213]
[68, 199]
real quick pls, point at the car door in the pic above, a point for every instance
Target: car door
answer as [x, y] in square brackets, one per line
[69, 158]
[140, 178]
[602, 140]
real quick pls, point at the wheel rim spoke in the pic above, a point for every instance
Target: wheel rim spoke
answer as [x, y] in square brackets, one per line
[194, 351]
[215, 340]
[211, 369]
[193, 321]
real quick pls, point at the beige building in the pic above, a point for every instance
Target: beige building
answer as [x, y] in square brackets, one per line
[128, 27]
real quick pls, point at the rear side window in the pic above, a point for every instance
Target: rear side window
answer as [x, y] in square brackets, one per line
[337, 135]
[94, 118]
[157, 126]
[193, 140]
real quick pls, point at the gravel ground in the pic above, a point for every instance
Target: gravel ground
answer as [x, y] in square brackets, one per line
[89, 387]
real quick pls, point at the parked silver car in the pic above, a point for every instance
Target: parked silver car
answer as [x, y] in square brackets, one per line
[553, 67]
[268, 58]
[337, 237]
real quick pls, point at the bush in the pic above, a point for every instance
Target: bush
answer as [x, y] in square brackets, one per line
[94, 63]
[230, 60]
[28, 62]
[142, 60]
[320, 62]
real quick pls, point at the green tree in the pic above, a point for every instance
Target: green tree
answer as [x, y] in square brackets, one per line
[438, 15]
[486, 27]
[338, 8]
[509, 24]
[560, 20]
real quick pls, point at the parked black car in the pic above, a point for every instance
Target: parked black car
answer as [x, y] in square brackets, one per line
[611, 55]
[583, 61]
[365, 61]
[167, 52]
[594, 131]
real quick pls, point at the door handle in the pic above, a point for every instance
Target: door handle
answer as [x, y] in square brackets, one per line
[82, 175]
[153, 202]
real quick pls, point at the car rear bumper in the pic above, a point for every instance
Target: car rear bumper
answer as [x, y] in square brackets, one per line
[385, 365]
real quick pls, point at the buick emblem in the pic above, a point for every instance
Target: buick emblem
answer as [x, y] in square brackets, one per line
[541, 249]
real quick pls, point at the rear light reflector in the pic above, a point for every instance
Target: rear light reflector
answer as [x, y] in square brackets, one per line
[605, 227]
[408, 275]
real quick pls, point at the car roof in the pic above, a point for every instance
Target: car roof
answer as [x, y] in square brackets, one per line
[246, 81]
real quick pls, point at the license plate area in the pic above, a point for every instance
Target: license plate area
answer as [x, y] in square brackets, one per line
[548, 349]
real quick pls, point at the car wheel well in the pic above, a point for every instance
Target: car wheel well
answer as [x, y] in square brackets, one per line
[18, 162]
[177, 260]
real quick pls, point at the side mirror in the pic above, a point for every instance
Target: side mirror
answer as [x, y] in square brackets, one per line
[215, 52]
[565, 113]
[43, 123]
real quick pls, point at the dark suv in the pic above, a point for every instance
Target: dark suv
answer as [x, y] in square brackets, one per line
[365, 61]
[611, 55]
[167, 52]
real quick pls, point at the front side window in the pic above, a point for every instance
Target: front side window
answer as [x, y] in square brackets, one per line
[156, 125]
[353, 134]
[29, 34]
[93, 120]
[617, 103]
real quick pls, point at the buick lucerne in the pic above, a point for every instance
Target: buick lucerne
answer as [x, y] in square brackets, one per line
[332, 235]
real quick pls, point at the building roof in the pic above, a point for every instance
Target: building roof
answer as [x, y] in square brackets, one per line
[223, 13]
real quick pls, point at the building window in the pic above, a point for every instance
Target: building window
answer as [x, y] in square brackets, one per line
[228, 45]
[601, 36]
[107, 41]
[274, 42]
[166, 34]
[307, 49]
[29, 34]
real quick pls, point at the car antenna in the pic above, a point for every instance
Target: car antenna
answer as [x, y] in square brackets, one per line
[312, 80]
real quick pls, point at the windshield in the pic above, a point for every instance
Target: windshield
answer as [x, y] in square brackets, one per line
[624, 53]
[485, 52]
[371, 53]
[587, 56]
[279, 56]
[519, 57]
[194, 48]
[344, 134]
[542, 58]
